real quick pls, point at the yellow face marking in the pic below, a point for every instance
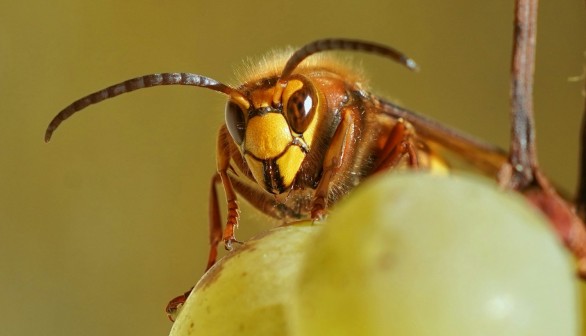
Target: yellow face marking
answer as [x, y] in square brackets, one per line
[240, 101]
[261, 98]
[256, 169]
[267, 136]
[289, 164]
[293, 86]
[270, 152]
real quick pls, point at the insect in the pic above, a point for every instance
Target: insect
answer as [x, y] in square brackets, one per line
[301, 132]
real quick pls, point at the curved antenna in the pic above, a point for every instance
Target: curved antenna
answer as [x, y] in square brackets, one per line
[338, 44]
[171, 78]
[345, 44]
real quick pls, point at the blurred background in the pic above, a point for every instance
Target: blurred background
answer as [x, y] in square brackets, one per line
[101, 227]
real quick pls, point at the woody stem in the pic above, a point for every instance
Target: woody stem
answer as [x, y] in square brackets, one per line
[523, 156]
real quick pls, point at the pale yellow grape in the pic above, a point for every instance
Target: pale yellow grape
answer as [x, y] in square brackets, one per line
[248, 291]
[418, 254]
[403, 256]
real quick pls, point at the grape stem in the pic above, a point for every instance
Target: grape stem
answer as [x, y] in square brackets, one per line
[522, 172]
[519, 173]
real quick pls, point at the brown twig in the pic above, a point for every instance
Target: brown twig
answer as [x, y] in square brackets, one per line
[522, 172]
[519, 173]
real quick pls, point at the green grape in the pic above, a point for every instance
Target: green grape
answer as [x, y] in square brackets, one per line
[248, 291]
[417, 254]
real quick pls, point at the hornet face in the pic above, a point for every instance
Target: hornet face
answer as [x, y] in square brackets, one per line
[274, 132]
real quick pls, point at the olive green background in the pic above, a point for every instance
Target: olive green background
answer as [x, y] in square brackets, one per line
[101, 227]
